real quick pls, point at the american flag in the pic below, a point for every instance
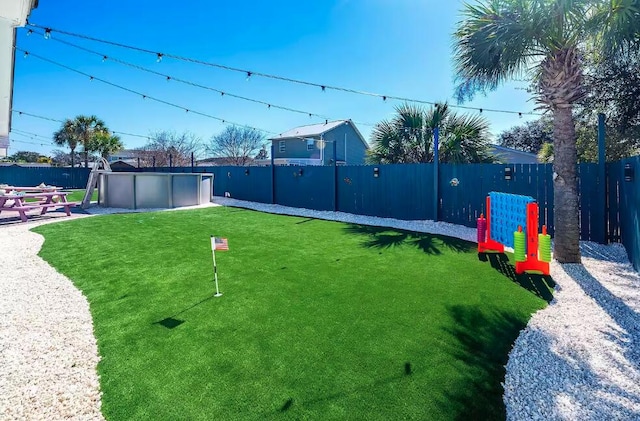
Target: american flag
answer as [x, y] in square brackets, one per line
[220, 244]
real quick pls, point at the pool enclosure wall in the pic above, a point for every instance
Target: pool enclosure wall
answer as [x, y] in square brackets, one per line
[131, 190]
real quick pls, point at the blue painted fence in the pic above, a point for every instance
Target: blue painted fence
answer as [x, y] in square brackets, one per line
[69, 178]
[407, 191]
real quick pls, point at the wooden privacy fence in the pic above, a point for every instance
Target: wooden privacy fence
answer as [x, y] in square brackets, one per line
[609, 212]
[69, 178]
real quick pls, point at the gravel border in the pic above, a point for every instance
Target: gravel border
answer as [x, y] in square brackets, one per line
[48, 353]
[577, 359]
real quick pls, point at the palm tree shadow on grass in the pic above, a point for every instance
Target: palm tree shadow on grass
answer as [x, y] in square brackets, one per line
[481, 341]
[540, 285]
[384, 238]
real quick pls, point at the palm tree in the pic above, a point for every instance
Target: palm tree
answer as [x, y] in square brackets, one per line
[544, 40]
[86, 128]
[67, 136]
[79, 131]
[105, 143]
[408, 137]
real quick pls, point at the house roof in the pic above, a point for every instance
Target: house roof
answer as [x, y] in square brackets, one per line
[315, 130]
[513, 156]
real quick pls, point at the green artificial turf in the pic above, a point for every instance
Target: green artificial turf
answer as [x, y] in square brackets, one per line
[319, 320]
[78, 195]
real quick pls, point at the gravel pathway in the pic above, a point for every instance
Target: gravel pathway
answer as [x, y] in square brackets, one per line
[578, 359]
[48, 354]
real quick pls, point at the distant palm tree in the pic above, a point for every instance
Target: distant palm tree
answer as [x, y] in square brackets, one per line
[87, 127]
[544, 40]
[79, 131]
[408, 137]
[105, 144]
[66, 136]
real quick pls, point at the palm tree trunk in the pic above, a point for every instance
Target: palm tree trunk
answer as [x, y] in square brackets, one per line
[86, 159]
[72, 156]
[565, 189]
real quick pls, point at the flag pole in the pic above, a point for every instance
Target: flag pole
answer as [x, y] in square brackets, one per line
[215, 267]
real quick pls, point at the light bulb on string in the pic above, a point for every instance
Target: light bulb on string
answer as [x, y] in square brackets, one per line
[29, 32]
[249, 76]
[384, 98]
[159, 59]
[324, 88]
[90, 78]
[520, 115]
[26, 54]
[168, 78]
[104, 58]
[47, 33]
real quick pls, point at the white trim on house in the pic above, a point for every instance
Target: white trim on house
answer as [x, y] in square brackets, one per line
[297, 161]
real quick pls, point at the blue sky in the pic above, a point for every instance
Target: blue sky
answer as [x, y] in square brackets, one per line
[395, 47]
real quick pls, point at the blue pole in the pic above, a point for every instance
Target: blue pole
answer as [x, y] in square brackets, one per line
[436, 194]
[273, 178]
[601, 235]
[335, 176]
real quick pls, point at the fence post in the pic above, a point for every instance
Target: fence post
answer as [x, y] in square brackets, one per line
[154, 163]
[191, 161]
[601, 235]
[170, 160]
[436, 193]
[138, 162]
[273, 178]
[335, 177]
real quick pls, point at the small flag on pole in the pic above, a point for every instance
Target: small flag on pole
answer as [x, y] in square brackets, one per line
[220, 244]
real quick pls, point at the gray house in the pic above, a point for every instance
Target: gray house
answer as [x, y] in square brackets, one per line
[314, 145]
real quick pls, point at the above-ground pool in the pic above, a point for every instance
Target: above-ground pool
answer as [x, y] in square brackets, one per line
[135, 190]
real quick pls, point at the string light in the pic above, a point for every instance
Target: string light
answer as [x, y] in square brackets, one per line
[29, 32]
[159, 59]
[104, 58]
[90, 78]
[47, 33]
[26, 54]
[21, 113]
[106, 82]
[248, 76]
[272, 76]
[222, 93]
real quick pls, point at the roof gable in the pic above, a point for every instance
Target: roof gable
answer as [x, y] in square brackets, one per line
[316, 130]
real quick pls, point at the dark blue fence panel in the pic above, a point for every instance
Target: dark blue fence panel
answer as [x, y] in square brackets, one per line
[310, 187]
[626, 221]
[68, 178]
[243, 183]
[592, 220]
[464, 188]
[401, 191]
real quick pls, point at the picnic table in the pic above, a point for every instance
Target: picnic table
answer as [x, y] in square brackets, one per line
[17, 202]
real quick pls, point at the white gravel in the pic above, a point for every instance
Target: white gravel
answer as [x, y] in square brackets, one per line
[48, 354]
[578, 359]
